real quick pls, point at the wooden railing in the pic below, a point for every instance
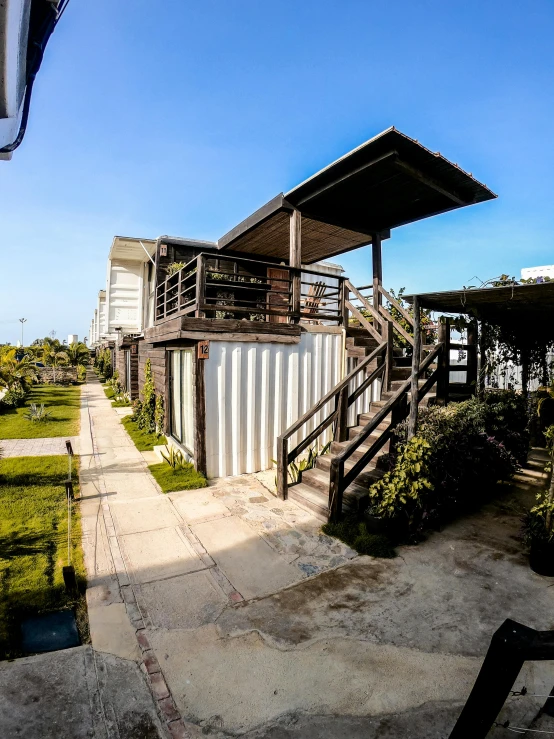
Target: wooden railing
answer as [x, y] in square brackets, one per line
[398, 409]
[379, 314]
[235, 287]
[343, 400]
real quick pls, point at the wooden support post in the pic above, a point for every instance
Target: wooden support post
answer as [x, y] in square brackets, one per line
[414, 390]
[377, 272]
[282, 468]
[482, 373]
[200, 286]
[345, 297]
[335, 490]
[524, 371]
[443, 362]
[200, 417]
[295, 261]
[389, 358]
[471, 372]
[341, 429]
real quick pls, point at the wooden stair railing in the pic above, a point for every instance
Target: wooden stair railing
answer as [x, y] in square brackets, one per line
[342, 402]
[380, 316]
[397, 407]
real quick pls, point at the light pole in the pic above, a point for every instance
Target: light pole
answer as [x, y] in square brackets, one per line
[22, 321]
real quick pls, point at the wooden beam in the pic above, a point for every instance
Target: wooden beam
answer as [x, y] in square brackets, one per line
[430, 182]
[443, 365]
[397, 327]
[377, 264]
[295, 260]
[200, 417]
[414, 388]
[471, 375]
[389, 360]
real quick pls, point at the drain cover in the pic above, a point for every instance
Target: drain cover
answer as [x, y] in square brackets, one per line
[49, 632]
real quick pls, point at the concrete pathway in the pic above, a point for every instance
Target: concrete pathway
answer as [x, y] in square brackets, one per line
[76, 694]
[248, 621]
[38, 447]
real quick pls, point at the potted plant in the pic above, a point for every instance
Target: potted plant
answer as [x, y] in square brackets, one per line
[539, 523]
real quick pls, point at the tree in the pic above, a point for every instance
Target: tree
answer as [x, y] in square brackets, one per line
[52, 356]
[78, 354]
[16, 372]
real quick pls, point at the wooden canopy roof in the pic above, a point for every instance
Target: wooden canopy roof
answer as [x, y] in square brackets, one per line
[498, 305]
[389, 181]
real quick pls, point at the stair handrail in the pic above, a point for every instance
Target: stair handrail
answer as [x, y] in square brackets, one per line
[397, 406]
[284, 457]
[379, 312]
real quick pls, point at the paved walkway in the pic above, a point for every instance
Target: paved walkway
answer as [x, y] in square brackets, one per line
[38, 447]
[211, 591]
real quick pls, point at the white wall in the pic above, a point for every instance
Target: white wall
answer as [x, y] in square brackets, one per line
[254, 391]
[124, 296]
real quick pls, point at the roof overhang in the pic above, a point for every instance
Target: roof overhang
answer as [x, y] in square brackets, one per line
[500, 305]
[131, 249]
[389, 181]
[25, 27]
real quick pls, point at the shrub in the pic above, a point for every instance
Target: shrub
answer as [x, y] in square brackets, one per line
[14, 397]
[451, 464]
[146, 417]
[355, 534]
[81, 373]
[37, 413]
[159, 414]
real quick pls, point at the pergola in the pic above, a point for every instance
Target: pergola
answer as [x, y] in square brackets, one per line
[389, 181]
[525, 311]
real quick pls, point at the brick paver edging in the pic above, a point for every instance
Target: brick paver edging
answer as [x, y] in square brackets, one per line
[156, 681]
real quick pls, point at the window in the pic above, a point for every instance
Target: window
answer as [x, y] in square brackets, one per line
[181, 389]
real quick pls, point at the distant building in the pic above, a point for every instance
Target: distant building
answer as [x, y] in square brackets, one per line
[534, 272]
[72, 339]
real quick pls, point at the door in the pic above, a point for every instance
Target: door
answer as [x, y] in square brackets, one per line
[279, 293]
[181, 400]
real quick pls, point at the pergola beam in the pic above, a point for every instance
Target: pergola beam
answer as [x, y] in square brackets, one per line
[430, 182]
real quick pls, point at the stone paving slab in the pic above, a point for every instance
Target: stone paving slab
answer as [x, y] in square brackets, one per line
[246, 559]
[38, 447]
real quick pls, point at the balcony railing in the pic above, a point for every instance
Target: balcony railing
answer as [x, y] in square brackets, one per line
[235, 287]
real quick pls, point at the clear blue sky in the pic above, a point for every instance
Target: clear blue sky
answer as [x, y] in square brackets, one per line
[182, 118]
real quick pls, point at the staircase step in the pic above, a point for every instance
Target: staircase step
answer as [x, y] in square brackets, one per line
[401, 373]
[311, 499]
[370, 474]
[353, 431]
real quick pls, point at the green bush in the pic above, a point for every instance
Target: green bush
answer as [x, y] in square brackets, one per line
[452, 464]
[14, 397]
[354, 533]
[145, 414]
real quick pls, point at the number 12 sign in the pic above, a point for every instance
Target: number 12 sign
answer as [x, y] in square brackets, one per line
[203, 349]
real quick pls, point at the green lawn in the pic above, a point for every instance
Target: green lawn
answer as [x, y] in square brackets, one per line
[171, 480]
[108, 392]
[63, 404]
[143, 441]
[33, 545]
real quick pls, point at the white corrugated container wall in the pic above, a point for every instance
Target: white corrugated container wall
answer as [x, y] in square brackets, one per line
[254, 391]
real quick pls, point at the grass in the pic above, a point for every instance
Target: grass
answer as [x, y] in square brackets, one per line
[143, 441]
[170, 480]
[108, 392]
[63, 403]
[354, 533]
[33, 545]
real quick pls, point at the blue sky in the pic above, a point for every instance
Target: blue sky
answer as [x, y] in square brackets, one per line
[182, 118]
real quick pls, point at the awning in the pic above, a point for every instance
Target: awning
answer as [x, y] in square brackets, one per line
[130, 249]
[389, 181]
[500, 305]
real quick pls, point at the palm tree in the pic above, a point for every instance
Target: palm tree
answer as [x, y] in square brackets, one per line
[53, 357]
[78, 354]
[16, 372]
